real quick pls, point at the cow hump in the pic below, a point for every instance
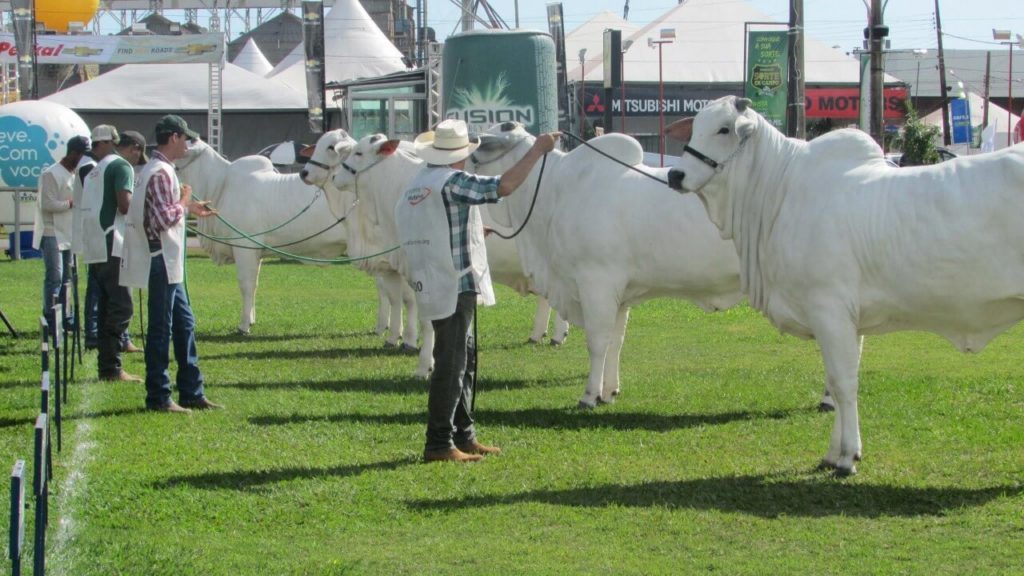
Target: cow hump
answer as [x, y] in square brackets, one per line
[618, 146]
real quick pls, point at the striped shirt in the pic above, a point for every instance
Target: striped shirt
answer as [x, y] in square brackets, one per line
[461, 191]
[162, 210]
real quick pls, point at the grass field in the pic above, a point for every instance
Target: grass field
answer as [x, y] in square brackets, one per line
[705, 464]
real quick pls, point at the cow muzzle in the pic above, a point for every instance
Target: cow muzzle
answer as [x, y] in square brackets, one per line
[675, 179]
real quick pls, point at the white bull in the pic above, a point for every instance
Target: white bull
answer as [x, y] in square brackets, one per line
[604, 237]
[275, 209]
[834, 244]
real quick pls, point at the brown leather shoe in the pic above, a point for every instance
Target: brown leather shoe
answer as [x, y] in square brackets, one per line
[171, 406]
[449, 455]
[475, 447]
[201, 404]
[122, 377]
[131, 348]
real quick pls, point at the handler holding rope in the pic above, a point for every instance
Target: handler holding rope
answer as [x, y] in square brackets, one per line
[440, 230]
[154, 258]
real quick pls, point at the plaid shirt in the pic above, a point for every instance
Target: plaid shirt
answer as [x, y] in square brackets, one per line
[162, 211]
[461, 191]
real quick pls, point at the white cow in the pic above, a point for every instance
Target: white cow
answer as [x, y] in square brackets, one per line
[257, 200]
[604, 237]
[835, 244]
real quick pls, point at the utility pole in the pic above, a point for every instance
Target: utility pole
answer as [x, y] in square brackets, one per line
[942, 78]
[796, 118]
[876, 33]
[988, 80]
[469, 14]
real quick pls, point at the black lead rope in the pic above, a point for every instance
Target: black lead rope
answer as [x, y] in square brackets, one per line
[533, 203]
[614, 159]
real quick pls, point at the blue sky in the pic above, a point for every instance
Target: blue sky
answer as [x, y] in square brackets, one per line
[967, 24]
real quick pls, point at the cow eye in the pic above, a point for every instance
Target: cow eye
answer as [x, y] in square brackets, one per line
[723, 130]
[358, 153]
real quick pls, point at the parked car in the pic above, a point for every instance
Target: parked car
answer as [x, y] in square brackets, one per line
[944, 154]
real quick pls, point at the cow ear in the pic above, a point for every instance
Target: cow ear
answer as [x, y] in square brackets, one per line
[388, 148]
[745, 126]
[681, 130]
[307, 151]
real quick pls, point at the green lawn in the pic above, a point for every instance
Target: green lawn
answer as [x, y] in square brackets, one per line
[705, 464]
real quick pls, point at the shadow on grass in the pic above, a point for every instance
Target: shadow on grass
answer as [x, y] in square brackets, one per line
[384, 385]
[253, 479]
[315, 353]
[547, 418]
[239, 338]
[754, 495]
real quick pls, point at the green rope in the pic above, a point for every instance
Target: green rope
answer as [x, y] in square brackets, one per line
[269, 230]
[292, 255]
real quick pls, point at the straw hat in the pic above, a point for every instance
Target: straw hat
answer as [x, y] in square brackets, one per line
[447, 144]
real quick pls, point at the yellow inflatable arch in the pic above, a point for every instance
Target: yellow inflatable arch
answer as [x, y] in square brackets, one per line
[57, 13]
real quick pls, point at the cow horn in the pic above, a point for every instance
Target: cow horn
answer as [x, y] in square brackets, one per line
[742, 103]
[681, 130]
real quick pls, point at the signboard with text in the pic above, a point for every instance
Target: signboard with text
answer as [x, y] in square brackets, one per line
[845, 102]
[767, 74]
[90, 49]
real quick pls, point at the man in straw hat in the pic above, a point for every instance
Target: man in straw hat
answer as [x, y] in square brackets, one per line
[440, 230]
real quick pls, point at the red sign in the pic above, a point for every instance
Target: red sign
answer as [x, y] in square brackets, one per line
[845, 102]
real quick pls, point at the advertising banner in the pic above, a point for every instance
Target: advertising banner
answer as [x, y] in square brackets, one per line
[24, 39]
[313, 43]
[642, 100]
[846, 103]
[767, 74]
[961, 114]
[85, 49]
[557, 30]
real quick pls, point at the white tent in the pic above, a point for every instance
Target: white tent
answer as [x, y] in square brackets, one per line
[708, 48]
[589, 36]
[996, 117]
[354, 47]
[252, 59]
[173, 87]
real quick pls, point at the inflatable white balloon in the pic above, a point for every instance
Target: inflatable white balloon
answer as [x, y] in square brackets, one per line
[34, 135]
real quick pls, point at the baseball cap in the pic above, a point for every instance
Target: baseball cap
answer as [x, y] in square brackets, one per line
[133, 138]
[105, 133]
[79, 144]
[173, 124]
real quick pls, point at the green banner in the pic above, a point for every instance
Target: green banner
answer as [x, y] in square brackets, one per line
[767, 74]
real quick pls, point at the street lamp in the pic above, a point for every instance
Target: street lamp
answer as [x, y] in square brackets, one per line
[622, 71]
[667, 36]
[918, 54]
[1003, 37]
[583, 91]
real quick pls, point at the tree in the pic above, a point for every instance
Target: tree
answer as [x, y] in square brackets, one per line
[918, 142]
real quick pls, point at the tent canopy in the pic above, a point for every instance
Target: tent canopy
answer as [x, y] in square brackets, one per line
[252, 59]
[708, 47]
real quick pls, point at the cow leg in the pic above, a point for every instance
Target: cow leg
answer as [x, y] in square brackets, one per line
[392, 284]
[426, 361]
[561, 330]
[383, 307]
[540, 321]
[599, 313]
[410, 333]
[247, 269]
[827, 403]
[611, 362]
[839, 348]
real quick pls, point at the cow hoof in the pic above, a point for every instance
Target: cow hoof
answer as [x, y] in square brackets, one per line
[409, 349]
[843, 472]
[532, 341]
[584, 405]
[390, 345]
[616, 392]
[242, 332]
[825, 466]
[826, 407]
[602, 401]
[555, 343]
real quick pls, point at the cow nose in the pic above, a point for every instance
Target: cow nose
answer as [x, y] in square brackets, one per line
[675, 179]
[303, 173]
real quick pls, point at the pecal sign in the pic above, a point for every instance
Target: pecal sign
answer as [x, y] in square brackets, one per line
[845, 102]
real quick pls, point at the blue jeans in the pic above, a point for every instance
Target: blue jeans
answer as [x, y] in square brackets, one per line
[170, 321]
[58, 271]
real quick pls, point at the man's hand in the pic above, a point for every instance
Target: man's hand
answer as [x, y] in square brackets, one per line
[186, 194]
[546, 142]
[201, 209]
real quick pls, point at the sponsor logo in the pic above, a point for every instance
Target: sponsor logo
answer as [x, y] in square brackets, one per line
[25, 151]
[484, 105]
[418, 196]
[766, 79]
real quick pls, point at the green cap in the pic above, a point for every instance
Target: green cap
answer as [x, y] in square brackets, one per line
[172, 124]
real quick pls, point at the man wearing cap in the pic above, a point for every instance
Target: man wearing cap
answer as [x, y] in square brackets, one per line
[155, 259]
[440, 231]
[106, 195]
[53, 225]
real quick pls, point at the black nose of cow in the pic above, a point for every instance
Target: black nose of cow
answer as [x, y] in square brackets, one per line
[675, 179]
[303, 173]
